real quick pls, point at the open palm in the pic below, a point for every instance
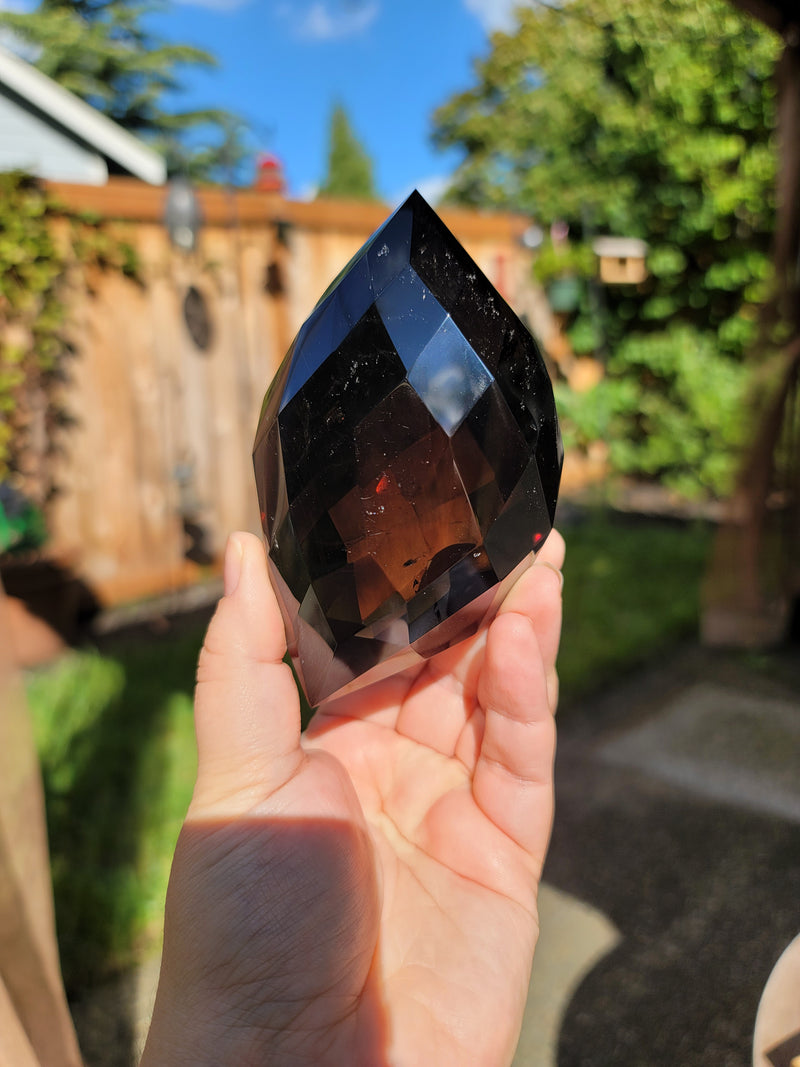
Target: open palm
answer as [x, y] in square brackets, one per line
[365, 894]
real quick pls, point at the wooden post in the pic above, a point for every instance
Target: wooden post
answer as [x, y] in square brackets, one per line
[35, 1024]
[752, 592]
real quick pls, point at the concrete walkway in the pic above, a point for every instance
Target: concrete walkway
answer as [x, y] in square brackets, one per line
[678, 834]
[672, 885]
[574, 938]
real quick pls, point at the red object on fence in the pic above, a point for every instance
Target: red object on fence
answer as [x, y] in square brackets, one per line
[269, 174]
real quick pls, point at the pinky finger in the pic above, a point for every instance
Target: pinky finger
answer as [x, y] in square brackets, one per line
[513, 780]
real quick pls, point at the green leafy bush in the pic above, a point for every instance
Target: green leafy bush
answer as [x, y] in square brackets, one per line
[671, 407]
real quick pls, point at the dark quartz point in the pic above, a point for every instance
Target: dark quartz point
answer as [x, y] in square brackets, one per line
[407, 458]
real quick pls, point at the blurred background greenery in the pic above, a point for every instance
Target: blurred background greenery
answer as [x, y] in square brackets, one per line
[651, 120]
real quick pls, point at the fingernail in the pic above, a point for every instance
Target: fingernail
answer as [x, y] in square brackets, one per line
[232, 567]
[555, 570]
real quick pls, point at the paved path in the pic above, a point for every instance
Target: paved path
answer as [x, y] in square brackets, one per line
[574, 938]
[677, 829]
[673, 881]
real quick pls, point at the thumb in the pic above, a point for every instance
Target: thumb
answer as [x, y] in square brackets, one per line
[247, 711]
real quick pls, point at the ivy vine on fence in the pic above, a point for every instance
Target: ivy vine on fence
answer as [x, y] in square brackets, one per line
[41, 244]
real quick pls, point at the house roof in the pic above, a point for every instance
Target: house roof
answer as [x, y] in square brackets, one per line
[80, 119]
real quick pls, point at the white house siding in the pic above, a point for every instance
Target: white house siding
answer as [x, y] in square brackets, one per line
[28, 143]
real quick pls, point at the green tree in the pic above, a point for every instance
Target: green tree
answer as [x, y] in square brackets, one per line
[349, 166]
[101, 51]
[650, 119]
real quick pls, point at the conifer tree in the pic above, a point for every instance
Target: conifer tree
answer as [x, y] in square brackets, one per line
[349, 166]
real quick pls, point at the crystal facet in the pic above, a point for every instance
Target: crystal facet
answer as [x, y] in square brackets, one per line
[407, 458]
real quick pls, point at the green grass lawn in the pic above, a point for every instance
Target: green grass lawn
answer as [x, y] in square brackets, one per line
[116, 740]
[631, 590]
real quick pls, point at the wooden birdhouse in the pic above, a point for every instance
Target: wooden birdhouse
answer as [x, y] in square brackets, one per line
[622, 260]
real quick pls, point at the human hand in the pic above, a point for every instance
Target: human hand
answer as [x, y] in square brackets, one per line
[365, 893]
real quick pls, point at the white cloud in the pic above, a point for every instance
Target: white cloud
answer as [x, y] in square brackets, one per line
[431, 188]
[223, 6]
[495, 14]
[328, 20]
[434, 187]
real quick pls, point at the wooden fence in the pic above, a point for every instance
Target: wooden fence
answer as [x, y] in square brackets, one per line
[157, 466]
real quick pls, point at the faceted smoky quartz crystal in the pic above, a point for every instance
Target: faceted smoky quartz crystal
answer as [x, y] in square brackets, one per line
[407, 458]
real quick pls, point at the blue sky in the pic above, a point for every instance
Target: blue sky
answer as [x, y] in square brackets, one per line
[282, 64]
